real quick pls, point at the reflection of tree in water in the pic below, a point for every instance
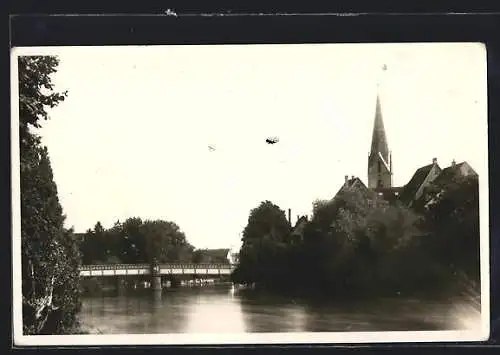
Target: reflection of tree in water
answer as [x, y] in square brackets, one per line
[157, 314]
[270, 313]
[378, 315]
[264, 313]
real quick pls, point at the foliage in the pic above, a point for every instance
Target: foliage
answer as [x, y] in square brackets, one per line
[452, 219]
[50, 256]
[358, 244]
[136, 241]
[264, 245]
[268, 221]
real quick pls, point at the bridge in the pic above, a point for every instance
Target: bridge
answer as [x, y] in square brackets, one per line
[156, 269]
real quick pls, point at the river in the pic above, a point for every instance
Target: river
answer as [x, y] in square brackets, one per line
[222, 309]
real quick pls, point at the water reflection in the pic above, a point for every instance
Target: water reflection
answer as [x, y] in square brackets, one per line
[217, 309]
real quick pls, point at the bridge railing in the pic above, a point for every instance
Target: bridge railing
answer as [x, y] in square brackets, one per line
[195, 266]
[114, 266]
[147, 266]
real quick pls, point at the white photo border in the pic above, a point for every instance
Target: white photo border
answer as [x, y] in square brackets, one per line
[19, 339]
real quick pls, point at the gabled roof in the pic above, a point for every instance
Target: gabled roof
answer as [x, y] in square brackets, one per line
[452, 172]
[300, 225]
[354, 182]
[215, 253]
[411, 188]
[349, 184]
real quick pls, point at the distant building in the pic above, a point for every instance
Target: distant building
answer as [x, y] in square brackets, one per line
[233, 255]
[422, 178]
[297, 233]
[216, 256]
[380, 158]
[380, 171]
[453, 172]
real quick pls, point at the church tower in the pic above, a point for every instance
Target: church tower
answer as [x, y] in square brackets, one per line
[379, 159]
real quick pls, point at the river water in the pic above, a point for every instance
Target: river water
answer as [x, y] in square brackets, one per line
[213, 309]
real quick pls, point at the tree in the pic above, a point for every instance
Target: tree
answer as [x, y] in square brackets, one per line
[136, 241]
[267, 220]
[452, 220]
[352, 241]
[197, 256]
[50, 256]
[263, 253]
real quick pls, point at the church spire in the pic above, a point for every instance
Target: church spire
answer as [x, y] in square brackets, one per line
[379, 160]
[379, 140]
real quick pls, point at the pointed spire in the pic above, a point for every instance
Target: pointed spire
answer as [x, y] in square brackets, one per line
[379, 140]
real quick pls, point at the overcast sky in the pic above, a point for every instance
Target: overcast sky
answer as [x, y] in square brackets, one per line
[133, 136]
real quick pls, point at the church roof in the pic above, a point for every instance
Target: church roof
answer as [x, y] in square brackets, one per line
[379, 139]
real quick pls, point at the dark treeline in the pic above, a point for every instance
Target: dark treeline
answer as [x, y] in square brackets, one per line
[359, 245]
[50, 256]
[136, 241]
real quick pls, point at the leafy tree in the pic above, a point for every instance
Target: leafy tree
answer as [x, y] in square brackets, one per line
[197, 256]
[133, 241]
[263, 253]
[50, 257]
[267, 220]
[359, 244]
[452, 220]
[137, 241]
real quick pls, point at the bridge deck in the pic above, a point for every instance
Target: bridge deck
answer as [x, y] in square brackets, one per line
[165, 269]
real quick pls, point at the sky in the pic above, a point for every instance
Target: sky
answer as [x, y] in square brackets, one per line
[132, 138]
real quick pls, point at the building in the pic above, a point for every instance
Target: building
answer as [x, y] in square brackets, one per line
[379, 158]
[380, 171]
[215, 256]
[379, 165]
[297, 234]
[421, 179]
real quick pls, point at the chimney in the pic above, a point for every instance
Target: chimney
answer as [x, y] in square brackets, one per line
[298, 217]
[453, 163]
[346, 177]
[434, 160]
[352, 177]
[290, 216]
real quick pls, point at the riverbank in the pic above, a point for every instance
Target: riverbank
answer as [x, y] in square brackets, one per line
[461, 291]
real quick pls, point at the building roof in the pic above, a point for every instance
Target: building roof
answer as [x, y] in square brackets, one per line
[300, 225]
[453, 171]
[213, 254]
[349, 184]
[354, 182]
[411, 188]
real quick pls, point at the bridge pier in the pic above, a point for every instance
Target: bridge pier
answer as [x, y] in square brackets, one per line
[156, 285]
[121, 285]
